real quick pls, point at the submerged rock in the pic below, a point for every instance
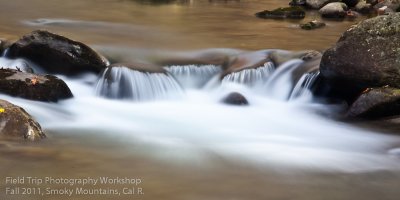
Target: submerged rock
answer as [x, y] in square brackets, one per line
[235, 98]
[376, 103]
[312, 25]
[16, 123]
[317, 4]
[366, 55]
[57, 54]
[334, 10]
[294, 12]
[34, 87]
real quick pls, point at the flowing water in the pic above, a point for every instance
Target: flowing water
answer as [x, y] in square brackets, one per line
[171, 130]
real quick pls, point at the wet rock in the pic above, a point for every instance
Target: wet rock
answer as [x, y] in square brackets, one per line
[34, 87]
[376, 103]
[139, 66]
[351, 15]
[57, 54]
[350, 3]
[334, 10]
[248, 60]
[363, 7]
[4, 44]
[317, 4]
[366, 55]
[235, 98]
[16, 123]
[279, 57]
[297, 3]
[391, 5]
[312, 25]
[294, 12]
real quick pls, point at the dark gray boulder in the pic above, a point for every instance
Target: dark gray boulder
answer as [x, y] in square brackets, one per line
[376, 103]
[34, 87]
[57, 54]
[366, 55]
[235, 98]
[16, 123]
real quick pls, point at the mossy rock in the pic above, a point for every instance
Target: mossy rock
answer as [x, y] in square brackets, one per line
[294, 12]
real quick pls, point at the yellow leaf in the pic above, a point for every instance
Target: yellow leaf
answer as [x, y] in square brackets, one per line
[2, 110]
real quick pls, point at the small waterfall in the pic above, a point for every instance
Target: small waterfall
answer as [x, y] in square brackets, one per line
[303, 86]
[193, 76]
[125, 83]
[250, 77]
[280, 83]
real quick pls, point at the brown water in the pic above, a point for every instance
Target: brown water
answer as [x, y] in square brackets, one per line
[123, 24]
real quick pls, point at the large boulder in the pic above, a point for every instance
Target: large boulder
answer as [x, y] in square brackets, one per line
[57, 54]
[34, 87]
[235, 98]
[366, 55]
[376, 103]
[334, 10]
[317, 4]
[16, 123]
[294, 12]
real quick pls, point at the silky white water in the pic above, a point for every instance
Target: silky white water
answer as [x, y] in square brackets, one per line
[268, 132]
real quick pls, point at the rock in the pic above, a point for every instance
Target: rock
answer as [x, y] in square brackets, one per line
[372, 2]
[376, 103]
[312, 25]
[297, 3]
[295, 12]
[392, 5]
[366, 55]
[334, 10]
[57, 54]
[16, 123]
[4, 44]
[352, 14]
[317, 4]
[351, 3]
[248, 60]
[279, 57]
[139, 66]
[235, 98]
[363, 7]
[34, 87]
